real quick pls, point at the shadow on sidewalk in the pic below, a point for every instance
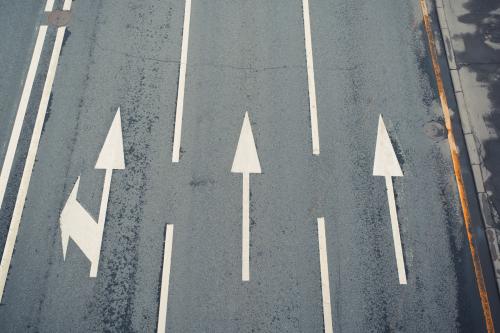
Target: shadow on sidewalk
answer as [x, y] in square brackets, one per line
[482, 56]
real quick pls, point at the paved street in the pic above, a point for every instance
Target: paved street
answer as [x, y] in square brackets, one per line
[247, 80]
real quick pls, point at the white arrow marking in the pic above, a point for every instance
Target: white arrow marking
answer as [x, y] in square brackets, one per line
[165, 279]
[386, 164]
[246, 161]
[182, 83]
[75, 221]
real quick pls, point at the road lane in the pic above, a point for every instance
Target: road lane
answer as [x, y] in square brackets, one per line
[244, 56]
[137, 75]
[357, 81]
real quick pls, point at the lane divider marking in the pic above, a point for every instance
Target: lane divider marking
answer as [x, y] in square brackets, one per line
[458, 171]
[30, 162]
[165, 279]
[310, 78]
[49, 5]
[21, 112]
[182, 83]
[325, 277]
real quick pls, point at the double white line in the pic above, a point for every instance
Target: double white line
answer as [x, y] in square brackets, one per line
[182, 83]
[35, 138]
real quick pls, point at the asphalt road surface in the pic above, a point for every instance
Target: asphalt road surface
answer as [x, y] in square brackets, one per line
[371, 58]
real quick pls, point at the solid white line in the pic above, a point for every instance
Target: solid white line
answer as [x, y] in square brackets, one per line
[30, 162]
[67, 4]
[165, 279]
[398, 249]
[102, 219]
[325, 282]
[182, 83]
[245, 244]
[21, 112]
[49, 5]
[310, 78]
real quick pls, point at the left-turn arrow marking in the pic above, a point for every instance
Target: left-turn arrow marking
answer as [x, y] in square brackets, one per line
[76, 223]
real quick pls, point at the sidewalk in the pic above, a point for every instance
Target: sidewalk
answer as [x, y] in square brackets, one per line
[471, 32]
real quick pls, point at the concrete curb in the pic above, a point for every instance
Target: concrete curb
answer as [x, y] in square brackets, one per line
[471, 143]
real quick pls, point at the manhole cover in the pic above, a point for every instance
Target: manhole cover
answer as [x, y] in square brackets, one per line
[435, 131]
[59, 18]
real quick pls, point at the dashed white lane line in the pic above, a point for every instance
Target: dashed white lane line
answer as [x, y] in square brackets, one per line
[49, 5]
[30, 162]
[165, 278]
[67, 4]
[325, 280]
[21, 112]
[310, 78]
[182, 83]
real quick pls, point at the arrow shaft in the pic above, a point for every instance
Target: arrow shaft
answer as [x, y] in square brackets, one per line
[102, 218]
[395, 231]
[245, 263]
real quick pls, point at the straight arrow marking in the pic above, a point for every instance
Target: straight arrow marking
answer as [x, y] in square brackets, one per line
[246, 161]
[386, 164]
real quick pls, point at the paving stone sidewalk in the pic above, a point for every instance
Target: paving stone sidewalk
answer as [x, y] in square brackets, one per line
[471, 32]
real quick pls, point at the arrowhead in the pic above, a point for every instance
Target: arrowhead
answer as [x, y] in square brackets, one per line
[385, 163]
[111, 156]
[246, 159]
[64, 233]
